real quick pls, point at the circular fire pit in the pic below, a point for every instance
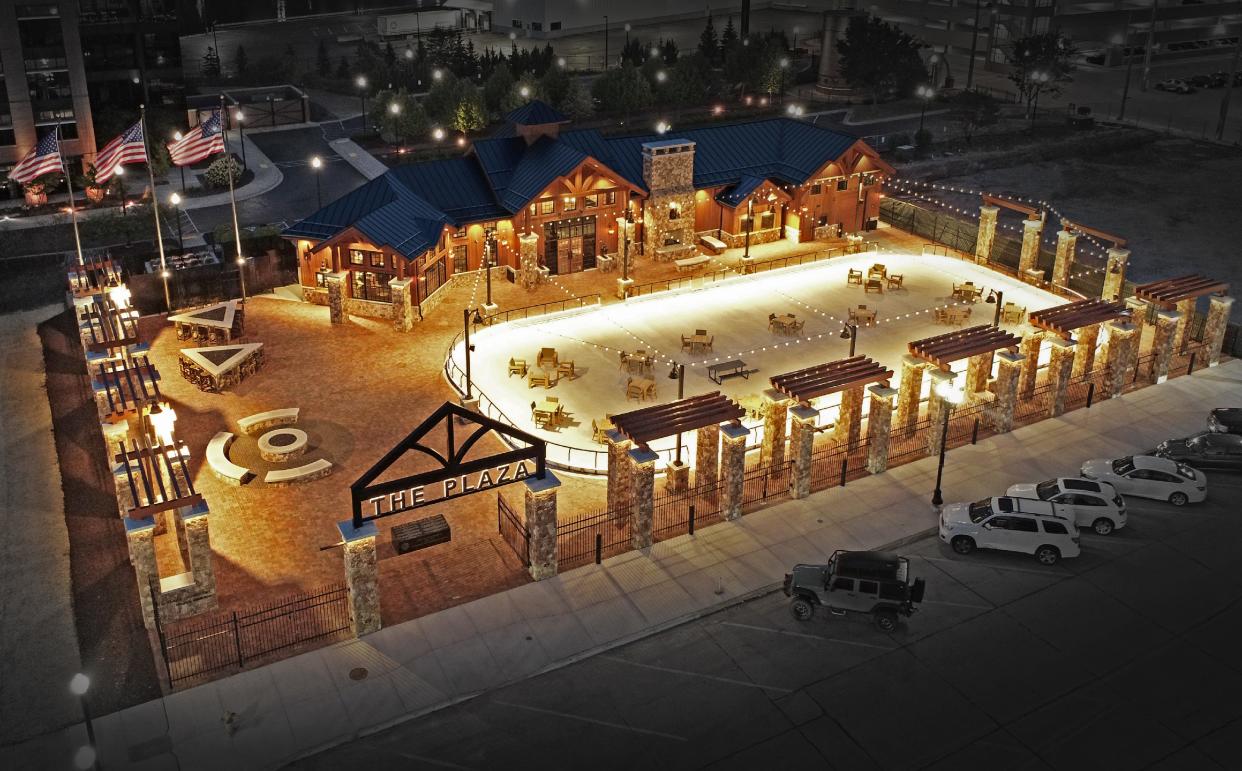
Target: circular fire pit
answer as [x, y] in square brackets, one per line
[282, 444]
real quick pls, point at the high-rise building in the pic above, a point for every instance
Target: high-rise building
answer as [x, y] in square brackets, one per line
[132, 52]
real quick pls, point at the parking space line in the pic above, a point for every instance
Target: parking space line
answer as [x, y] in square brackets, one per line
[1110, 538]
[959, 604]
[786, 632]
[605, 723]
[1002, 567]
[717, 678]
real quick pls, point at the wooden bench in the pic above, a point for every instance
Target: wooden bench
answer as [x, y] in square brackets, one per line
[727, 369]
[421, 533]
[688, 263]
[309, 472]
[713, 244]
[253, 424]
[218, 459]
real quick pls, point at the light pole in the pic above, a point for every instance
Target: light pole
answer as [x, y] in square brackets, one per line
[362, 89]
[784, 66]
[974, 46]
[317, 164]
[241, 135]
[678, 373]
[627, 40]
[625, 241]
[177, 136]
[950, 397]
[1039, 77]
[465, 319]
[997, 297]
[925, 93]
[86, 756]
[175, 200]
[850, 332]
[487, 266]
[1125, 90]
[394, 109]
[120, 182]
[750, 225]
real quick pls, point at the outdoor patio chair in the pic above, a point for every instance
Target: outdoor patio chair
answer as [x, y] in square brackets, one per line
[941, 315]
[1013, 314]
[894, 280]
[873, 285]
[710, 341]
[686, 343]
[633, 390]
[796, 327]
[771, 320]
[855, 277]
[865, 317]
[877, 270]
[517, 367]
[566, 368]
[546, 356]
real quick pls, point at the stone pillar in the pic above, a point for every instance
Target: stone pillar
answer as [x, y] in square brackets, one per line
[1138, 314]
[1187, 310]
[402, 304]
[1122, 356]
[849, 417]
[642, 487]
[1115, 273]
[677, 477]
[336, 297]
[140, 534]
[1214, 327]
[978, 372]
[1060, 365]
[987, 233]
[528, 260]
[732, 468]
[1031, 343]
[361, 576]
[1028, 257]
[541, 524]
[1162, 345]
[707, 455]
[618, 470]
[1067, 243]
[879, 427]
[198, 544]
[775, 416]
[1008, 369]
[936, 405]
[911, 387]
[1088, 338]
[801, 443]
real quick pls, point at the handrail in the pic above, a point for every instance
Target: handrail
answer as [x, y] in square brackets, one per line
[542, 308]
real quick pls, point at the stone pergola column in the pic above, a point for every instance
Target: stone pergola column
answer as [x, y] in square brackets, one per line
[1187, 310]
[1115, 273]
[936, 405]
[361, 576]
[732, 468]
[1088, 338]
[987, 233]
[618, 470]
[978, 371]
[402, 304]
[1060, 365]
[801, 443]
[198, 545]
[775, 416]
[848, 428]
[642, 486]
[140, 536]
[1162, 345]
[1031, 343]
[336, 297]
[1067, 244]
[677, 476]
[1138, 314]
[1122, 355]
[1214, 327]
[707, 455]
[910, 389]
[541, 524]
[1008, 369]
[528, 260]
[1028, 257]
[879, 426]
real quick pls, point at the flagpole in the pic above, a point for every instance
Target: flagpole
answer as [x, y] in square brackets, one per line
[241, 261]
[155, 204]
[73, 205]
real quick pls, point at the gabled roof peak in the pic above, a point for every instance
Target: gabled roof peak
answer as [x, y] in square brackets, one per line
[536, 113]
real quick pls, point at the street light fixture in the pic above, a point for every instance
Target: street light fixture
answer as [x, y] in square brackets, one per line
[850, 332]
[175, 200]
[362, 87]
[120, 181]
[678, 373]
[951, 396]
[926, 93]
[317, 164]
[85, 757]
[997, 297]
[784, 63]
[1039, 77]
[241, 135]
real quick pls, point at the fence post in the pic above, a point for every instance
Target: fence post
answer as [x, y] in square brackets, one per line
[241, 660]
[1090, 393]
[692, 519]
[599, 548]
[974, 432]
[845, 462]
[153, 583]
[1190, 365]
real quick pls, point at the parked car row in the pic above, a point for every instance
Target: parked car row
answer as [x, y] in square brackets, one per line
[1195, 82]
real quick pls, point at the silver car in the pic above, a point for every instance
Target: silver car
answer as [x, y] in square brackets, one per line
[1147, 476]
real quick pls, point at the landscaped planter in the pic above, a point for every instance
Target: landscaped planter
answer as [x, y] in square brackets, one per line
[94, 193]
[36, 195]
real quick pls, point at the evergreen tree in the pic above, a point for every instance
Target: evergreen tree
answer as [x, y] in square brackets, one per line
[623, 90]
[211, 63]
[709, 46]
[668, 51]
[323, 65]
[240, 62]
[555, 85]
[728, 38]
[390, 57]
[496, 89]
[880, 58]
[577, 103]
[342, 68]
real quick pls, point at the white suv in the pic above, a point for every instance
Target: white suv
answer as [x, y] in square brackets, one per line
[1094, 504]
[1011, 524]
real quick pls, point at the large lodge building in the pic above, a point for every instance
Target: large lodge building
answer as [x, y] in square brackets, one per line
[540, 198]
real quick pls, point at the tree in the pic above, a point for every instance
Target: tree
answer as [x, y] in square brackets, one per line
[578, 103]
[728, 38]
[622, 90]
[239, 62]
[408, 121]
[709, 46]
[342, 68]
[554, 85]
[441, 100]
[468, 113]
[390, 57]
[496, 89]
[634, 52]
[1040, 64]
[878, 57]
[211, 63]
[323, 65]
[972, 109]
[668, 51]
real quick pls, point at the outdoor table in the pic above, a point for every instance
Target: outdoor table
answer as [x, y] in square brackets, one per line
[217, 323]
[877, 270]
[727, 369]
[638, 361]
[784, 321]
[646, 385]
[701, 342]
[216, 368]
[546, 410]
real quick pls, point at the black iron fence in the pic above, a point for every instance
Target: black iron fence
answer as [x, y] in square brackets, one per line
[592, 537]
[513, 530]
[542, 309]
[764, 482]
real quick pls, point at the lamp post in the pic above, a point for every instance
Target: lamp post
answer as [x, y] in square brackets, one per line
[465, 319]
[1039, 78]
[997, 297]
[1125, 46]
[678, 373]
[120, 182]
[394, 110]
[625, 244]
[175, 200]
[951, 397]
[750, 225]
[241, 135]
[362, 88]
[627, 40]
[974, 46]
[784, 66]
[86, 756]
[925, 93]
[241, 272]
[487, 267]
[850, 332]
[317, 165]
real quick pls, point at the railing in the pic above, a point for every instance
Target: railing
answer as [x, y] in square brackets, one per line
[513, 529]
[543, 309]
[652, 287]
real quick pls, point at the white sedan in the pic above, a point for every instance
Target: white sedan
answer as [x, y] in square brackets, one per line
[1147, 476]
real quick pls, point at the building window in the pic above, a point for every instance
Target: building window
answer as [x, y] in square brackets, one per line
[817, 188]
[767, 220]
[674, 211]
[547, 207]
[517, 23]
[459, 233]
[377, 260]
[536, 26]
[843, 183]
[590, 201]
[610, 198]
[554, 26]
[372, 286]
[570, 204]
[460, 264]
[357, 257]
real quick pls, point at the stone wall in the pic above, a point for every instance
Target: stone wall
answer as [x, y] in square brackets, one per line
[765, 236]
[367, 308]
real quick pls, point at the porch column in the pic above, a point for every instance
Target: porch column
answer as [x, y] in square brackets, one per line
[1214, 327]
[1060, 364]
[1088, 338]
[361, 576]
[625, 234]
[1138, 314]
[140, 535]
[936, 405]
[1008, 368]
[987, 233]
[1187, 309]
[1115, 273]
[1031, 343]
[677, 476]
[707, 455]
[541, 524]
[528, 260]
[849, 417]
[402, 304]
[801, 441]
[1122, 355]
[733, 468]
[642, 484]
[1067, 244]
[879, 427]
[618, 470]
[910, 388]
[775, 416]
[1028, 257]
[198, 545]
[978, 371]
[336, 297]
[1162, 345]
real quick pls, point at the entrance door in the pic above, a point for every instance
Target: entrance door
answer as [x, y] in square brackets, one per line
[569, 245]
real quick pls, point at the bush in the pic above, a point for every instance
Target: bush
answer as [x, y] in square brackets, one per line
[217, 174]
[922, 139]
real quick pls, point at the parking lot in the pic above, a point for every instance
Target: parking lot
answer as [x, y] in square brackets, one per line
[1122, 658]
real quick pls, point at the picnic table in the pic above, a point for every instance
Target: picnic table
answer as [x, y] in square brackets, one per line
[547, 410]
[727, 369]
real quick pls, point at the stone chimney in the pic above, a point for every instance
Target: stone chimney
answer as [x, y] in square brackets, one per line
[668, 171]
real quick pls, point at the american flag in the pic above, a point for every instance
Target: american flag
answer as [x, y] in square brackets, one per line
[199, 142]
[44, 159]
[129, 147]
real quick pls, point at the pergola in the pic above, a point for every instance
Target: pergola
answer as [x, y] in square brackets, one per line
[128, 386]
[95, 274]
[1168, 293]
[107, 326]
[154, 482]
[823, 379]
[643, 425]
[1064, 319]
[943, 350]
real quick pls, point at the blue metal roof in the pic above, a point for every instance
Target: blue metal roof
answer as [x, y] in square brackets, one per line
[732, 196]
[542, 163]
[457, 187]
[535, 113]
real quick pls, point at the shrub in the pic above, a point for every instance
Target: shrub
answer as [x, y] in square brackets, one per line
[217, 174]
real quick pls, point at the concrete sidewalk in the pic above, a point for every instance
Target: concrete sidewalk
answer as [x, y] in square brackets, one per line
[363, 162]
[307, 703]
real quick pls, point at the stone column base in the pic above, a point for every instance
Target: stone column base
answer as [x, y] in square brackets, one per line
[678, 477]
[623, 287]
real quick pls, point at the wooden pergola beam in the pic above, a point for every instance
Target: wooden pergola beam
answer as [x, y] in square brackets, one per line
[1030, 211]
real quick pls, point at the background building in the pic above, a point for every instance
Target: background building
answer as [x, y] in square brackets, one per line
[131, 51]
